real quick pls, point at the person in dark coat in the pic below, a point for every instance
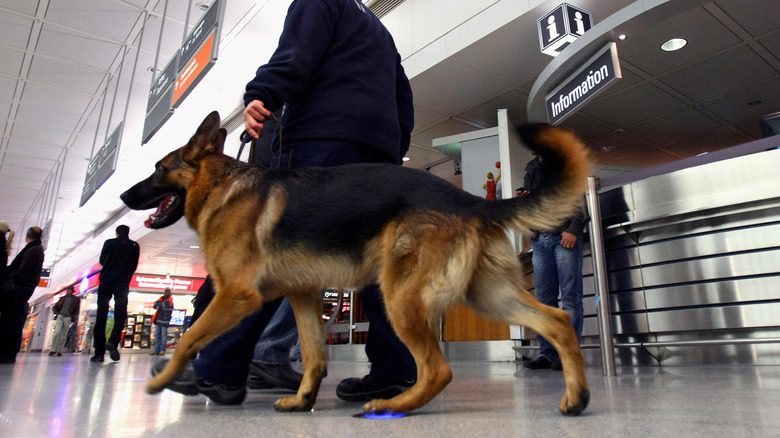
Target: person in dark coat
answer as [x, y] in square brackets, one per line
[25, 273]
[119, 258]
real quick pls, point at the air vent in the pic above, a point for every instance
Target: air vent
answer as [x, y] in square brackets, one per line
[380, 8]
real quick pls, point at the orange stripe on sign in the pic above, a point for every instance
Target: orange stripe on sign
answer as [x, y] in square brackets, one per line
[193, 69]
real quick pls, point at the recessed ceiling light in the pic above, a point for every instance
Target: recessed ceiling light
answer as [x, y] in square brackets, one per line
[622, 37]
[202, 6]
[607, 148]
[153, 70]
[673, 44]
[407, 158]
[194, 246]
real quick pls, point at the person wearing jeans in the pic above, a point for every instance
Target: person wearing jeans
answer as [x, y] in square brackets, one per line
[557, 261]
[161, 319]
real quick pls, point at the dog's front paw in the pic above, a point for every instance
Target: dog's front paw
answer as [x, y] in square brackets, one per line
[576, 405]
[294, 404]
[154, 386]
[380, 406]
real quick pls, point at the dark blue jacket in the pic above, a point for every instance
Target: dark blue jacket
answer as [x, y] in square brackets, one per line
[339, 74]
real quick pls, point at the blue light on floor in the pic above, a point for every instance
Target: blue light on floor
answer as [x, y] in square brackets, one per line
[384, 415]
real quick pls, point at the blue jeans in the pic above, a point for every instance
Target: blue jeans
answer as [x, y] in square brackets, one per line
[558, 269]
[161, 338]
[278, 337]
[226, 359]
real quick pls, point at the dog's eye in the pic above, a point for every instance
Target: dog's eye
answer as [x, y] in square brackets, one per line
[159, 167]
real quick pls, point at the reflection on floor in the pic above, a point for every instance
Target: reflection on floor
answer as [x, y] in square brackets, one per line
[68, 396]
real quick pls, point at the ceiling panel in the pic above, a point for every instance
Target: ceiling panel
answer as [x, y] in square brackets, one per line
[731, 74]
[78, 49]
[12, 60]
[15, 30]
[710, 141]
[772, 43]
[755, 16]
[74, 77]
[674, 127]
[99, 18]
[705, 35]
[749, 103]
[58, 97]
[636, 105]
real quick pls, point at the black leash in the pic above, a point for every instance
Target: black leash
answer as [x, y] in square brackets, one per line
[246, 138]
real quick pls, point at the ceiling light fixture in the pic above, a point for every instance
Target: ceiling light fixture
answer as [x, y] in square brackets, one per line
[607, 148]
[622, 37]
[202, 6]
[673, 44]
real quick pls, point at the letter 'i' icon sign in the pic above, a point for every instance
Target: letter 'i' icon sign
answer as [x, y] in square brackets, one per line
[552, 28]
[580, 24]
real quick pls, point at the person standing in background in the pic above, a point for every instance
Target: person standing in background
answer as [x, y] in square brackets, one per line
[161, 319]
[25, 273]
[65, 312]
[119, 258]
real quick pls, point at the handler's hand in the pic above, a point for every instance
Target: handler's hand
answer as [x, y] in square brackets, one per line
[254, 115]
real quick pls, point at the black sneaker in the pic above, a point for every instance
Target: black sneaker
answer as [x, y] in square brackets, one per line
[540, 363]
[188, 382]
[281, 375]
[556, 365]
[96, 359]
[365, 389]
[113, 352]
[258, 382]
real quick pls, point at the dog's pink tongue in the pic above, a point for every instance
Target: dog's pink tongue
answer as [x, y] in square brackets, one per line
[153, 216]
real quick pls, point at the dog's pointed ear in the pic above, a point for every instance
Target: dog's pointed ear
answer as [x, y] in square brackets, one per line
[208, 139]
[220, 142]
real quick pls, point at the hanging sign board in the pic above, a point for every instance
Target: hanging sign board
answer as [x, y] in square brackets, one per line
[102, 165]
[589, 80]
[199, 52]
[159, 107]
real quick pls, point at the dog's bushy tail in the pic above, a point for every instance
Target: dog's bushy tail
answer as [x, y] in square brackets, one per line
[569, 164]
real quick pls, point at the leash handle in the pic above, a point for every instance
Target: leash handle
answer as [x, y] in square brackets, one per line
[245, 138]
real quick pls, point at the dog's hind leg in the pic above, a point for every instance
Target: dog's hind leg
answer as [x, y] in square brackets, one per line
[229, 306]
[497, 293]
[307, 308]
[410, 316]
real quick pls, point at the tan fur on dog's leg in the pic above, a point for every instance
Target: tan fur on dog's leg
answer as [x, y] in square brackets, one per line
[497, 293]
[307, 308]
[409, 316]
[225, 311]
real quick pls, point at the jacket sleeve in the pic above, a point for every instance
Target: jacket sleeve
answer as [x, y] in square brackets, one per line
[305, 37]
[58, 306]
[104, 253]
[578, 221]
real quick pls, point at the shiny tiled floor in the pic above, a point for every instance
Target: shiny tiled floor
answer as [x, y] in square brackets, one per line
[70, 397]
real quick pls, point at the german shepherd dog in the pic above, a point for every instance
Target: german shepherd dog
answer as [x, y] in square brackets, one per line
[292, 233]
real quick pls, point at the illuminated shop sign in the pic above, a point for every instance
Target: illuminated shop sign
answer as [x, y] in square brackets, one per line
[142, 281]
